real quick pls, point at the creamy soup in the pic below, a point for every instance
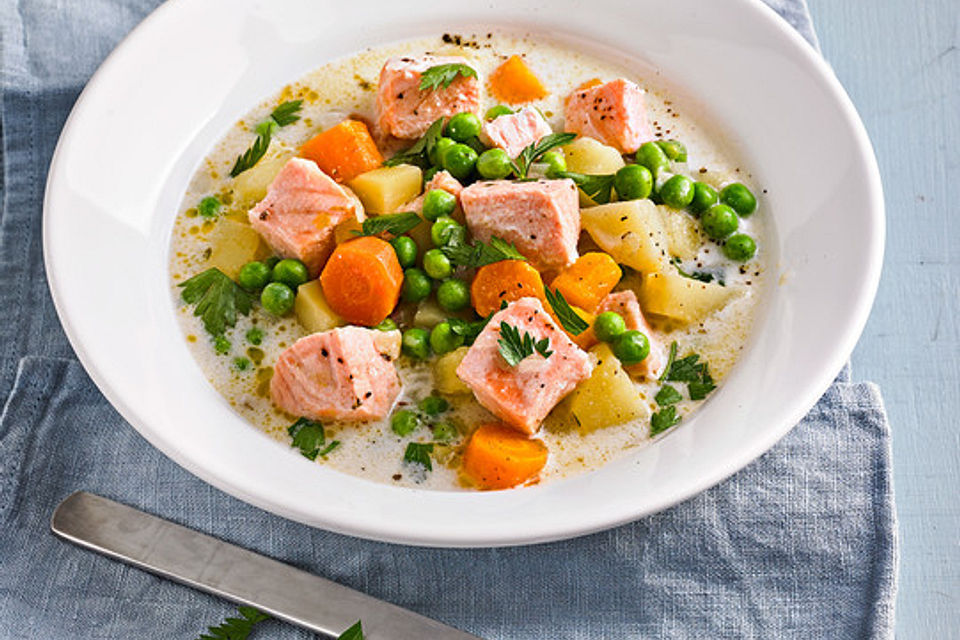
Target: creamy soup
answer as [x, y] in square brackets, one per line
[696, 295]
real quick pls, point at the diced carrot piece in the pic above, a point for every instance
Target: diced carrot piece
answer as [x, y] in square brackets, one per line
[343, 152]
[498, 457]
[505, 281]
[587, 281]
[513, 82]
[362, 280]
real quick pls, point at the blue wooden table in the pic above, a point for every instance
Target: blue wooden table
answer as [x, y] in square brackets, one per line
[900, 63]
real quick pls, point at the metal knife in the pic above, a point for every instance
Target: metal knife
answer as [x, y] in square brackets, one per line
[225, 570]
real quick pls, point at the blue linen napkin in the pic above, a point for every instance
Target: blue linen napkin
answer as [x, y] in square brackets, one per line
[799, 544]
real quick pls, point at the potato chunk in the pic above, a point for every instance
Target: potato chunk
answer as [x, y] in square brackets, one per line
[586, 155]
[383, 190]
[250, 187]
[234, 244]
[682, 231]
[672, 295]
[632, 232]
[312, 310]
[445, 372]
[608, 397]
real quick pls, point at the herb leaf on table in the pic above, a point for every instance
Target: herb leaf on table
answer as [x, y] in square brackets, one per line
[239, 628]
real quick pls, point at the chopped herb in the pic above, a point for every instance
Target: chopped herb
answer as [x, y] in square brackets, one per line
[597, 187]
[687, 369]
[571, 322]
[240, 628]
[444, 75]
[217, 299]
[308, 436]
[469, 330]
[395, 224]
[209, 207]
[419, 453]
[670, 359]
[242, 364]
[329, 448]
[668, 395]
[419, 153]
[251, 156]
[255, 335]
[481, 253]
[221, 345]
[699, 390]
[355, 632]
[533, 152]
[287, 113]
[702, 276]
[514, 347]
[663, 420]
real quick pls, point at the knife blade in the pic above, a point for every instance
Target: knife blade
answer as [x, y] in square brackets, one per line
[208, 564]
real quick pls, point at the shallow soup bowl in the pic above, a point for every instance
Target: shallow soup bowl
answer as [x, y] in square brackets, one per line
[183, 77]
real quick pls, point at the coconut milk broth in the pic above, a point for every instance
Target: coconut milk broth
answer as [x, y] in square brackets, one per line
[347, 87]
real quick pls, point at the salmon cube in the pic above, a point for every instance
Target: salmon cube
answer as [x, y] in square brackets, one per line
[523, 395]
[614, 113]
[342, 374]
[625, 303]
[298, 215]
[541, 217]
[441, 180]
[406, 111]
[515, 131]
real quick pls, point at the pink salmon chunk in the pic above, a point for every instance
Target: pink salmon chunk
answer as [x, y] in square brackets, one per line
[614, 113]
[515, 131]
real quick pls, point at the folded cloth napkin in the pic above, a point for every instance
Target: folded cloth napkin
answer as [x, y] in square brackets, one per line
[799, 544]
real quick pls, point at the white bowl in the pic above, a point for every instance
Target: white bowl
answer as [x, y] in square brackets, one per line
[175, 85]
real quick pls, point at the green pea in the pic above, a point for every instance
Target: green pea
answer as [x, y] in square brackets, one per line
[221, 345]
[608, 326]
[433, 405]
[739, 198]
[673, 149]
[267, 128]
[704, 197]
[464, 126]
[277, 298]
[404, 422]
[254, 335]
[445, 432]
[719, 221]
[631, 347]
[677, 192]
[439, 150]
[494, 164]
[406, 249]
[651, 156]
[416, 285]
[556, 162]
[444, 230]
[740, 247]
[415, 343]
[436, 264]
[387, 324]
[443, 339]
[496, 111]
[460, 160]
[254, 276]
[633, 182]
[290, 272]
[209, 207]
[437, 203]
[453, 295]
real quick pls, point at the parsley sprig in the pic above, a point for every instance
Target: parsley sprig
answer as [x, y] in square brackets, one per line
[419, 453]
[689, 369]
[514, 347]
[569, 320]
[395, 224]
[443, 75]
[702, 276]
[480, 253]
[419, 153]
[663, 420]
[533, 152]
[308, 436]
[218, 299]
[236, 628]
[284, 114]
[469, 330]
[597, 187]
[355, 632]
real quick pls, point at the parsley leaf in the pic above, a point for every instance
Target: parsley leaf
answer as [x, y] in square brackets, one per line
[444, 75]
[395, 223]
[284, 114]
[287, 113]
[469, 330]
[419, 153]
[217, 299]
[533, 152]
[699, 390]
[668, 395]
[514, 347]
[480, 253]
[702, 276]
[663, 420]
[597, 187]
[419, 453]
[238, 628]
[571, 322]
[252, 156]
[355, 632]
[328, 449]
[308, 436]
[686, 369]
[670, 359]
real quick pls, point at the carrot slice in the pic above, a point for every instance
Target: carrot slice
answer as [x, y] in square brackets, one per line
[587, 281]
[513, 82]
[343, 152]
[498, 457]
[504, 281]
[362, 280]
